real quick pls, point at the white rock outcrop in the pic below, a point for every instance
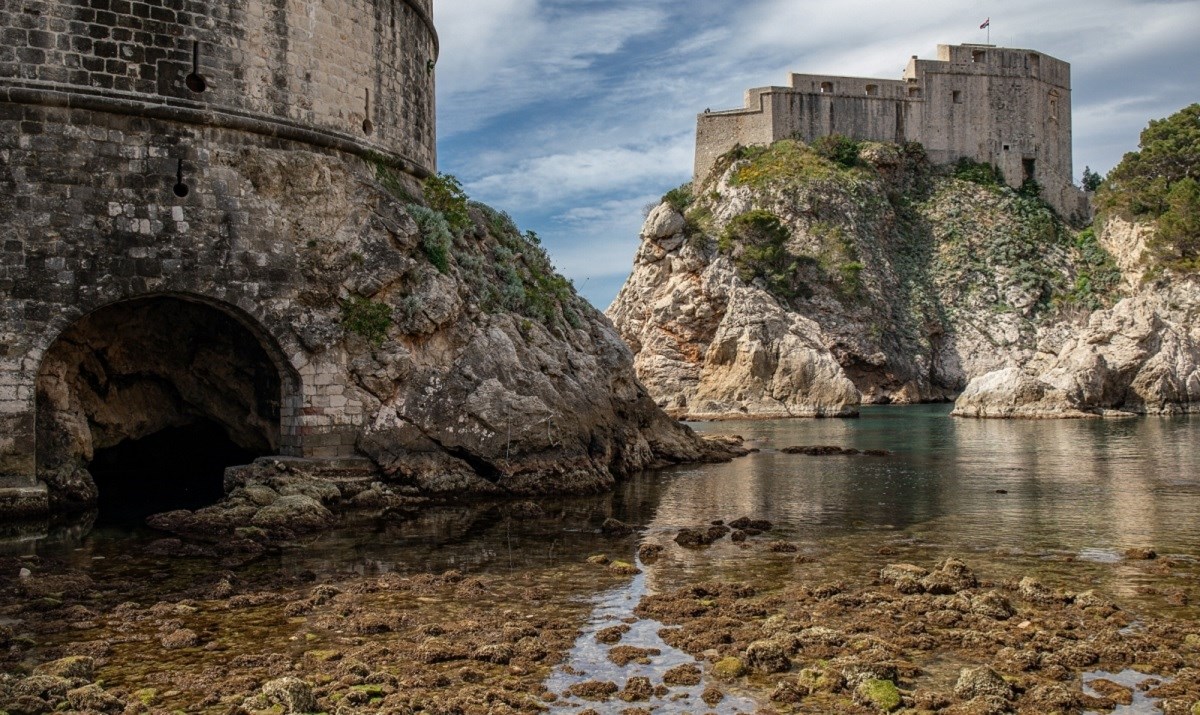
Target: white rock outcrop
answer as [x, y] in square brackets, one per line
[1142, 356]
[708, 345]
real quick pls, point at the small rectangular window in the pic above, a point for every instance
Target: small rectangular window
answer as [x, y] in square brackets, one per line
[914, 91]
[872, 90]
[957, 95]
[827, 88]
[978, 56]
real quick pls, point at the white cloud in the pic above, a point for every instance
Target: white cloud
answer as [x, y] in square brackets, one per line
[571, 114]
[502, 55]
[552, 181]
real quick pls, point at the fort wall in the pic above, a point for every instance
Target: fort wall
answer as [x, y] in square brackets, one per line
[1007, 107]
[109, 107]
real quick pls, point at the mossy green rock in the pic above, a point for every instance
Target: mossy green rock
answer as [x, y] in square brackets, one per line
[882, 694]
[728, 669]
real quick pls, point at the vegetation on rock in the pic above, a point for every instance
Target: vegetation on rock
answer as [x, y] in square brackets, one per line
[1158, 183]
[367, 319]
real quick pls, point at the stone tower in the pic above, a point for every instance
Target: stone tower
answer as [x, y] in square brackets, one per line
[152, 274]
[1003, 106]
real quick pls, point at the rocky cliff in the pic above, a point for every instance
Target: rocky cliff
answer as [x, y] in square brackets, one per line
[801, 281]
[472, 366]
[1142, 356]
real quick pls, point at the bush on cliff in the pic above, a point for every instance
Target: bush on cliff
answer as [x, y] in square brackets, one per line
[757, 243]
[1158, 183]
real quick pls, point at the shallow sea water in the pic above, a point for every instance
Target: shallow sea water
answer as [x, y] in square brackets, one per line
[1061, 500]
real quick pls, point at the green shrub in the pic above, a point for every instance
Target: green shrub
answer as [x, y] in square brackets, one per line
[1159, 182]
[680, 198]
[851, 278]
[1098, 278]
[389, 177]
[837, 148]
[1168, 152]
[978, 172]
[436, 237]
[1177, 242]
[445, 194]
[757, 243]
[367, 318]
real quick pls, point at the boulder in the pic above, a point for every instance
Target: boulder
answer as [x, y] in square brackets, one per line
[767, 656]
[296, 513]
[981, 682]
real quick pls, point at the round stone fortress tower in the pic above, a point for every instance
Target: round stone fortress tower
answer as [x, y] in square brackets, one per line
[178, 180]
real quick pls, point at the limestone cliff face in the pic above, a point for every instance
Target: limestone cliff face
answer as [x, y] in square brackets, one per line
[1142, 356]
[470, 366]
[795, 285]
[709, 345]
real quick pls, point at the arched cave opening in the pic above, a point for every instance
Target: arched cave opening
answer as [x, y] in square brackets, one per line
[144, 403]
[175, 468]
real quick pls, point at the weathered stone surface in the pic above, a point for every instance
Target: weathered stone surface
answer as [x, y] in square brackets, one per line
[981, 682]
[258, 262]
[708, 345]
[1142, 356]
[879, 305]
[767, 656]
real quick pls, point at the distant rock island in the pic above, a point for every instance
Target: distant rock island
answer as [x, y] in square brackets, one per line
[805, 279]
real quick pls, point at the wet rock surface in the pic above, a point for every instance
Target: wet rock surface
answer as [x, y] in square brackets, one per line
[917, 634]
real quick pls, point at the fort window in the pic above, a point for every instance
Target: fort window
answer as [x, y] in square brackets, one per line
[957, 97]
[195, 81]
[827, 88]
[978, 56]
[1030, 168]
[1035, 63]
[914, 91]
[872, 90]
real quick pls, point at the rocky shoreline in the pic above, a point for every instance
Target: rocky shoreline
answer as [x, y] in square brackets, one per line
[905, 637]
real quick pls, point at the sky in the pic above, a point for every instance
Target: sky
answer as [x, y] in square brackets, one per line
[574, 115]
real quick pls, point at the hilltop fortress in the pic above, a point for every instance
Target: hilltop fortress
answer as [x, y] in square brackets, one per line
[998, 105]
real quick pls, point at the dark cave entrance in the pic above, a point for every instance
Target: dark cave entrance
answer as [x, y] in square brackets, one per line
[175, 468]
[143, 404]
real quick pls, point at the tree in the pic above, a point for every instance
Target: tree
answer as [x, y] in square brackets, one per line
[1091, 180]
[1178, 238]
[1168, 152]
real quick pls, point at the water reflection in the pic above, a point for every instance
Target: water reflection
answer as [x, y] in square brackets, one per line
[1032, 493]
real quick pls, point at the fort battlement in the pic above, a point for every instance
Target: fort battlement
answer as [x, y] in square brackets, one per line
[155, 160]
[1004, 106]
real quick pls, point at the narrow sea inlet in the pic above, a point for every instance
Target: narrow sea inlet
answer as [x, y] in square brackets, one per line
[502, 607]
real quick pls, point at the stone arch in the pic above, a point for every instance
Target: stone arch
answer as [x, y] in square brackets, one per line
[124, 388]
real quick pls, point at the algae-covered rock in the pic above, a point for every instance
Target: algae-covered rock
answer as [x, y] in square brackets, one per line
[624, 568]
[767, 656]
[92, 697]
[296, 513]
[292, 695]
[981, 682]
[637, 689]
[686, 674]
[881, 694]
[75, 667]
[728, 668]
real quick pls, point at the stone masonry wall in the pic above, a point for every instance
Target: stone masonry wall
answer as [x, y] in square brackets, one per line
[98, 120]
[1002, 106]
[295, 66]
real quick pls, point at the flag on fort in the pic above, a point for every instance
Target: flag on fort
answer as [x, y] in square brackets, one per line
[986, 23]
